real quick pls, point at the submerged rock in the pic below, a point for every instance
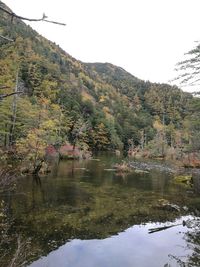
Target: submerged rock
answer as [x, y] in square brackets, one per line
[140, 171]
[150, 166]
[186, 180]
[164, 204]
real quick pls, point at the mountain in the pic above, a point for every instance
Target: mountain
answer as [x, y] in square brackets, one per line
[95, 105]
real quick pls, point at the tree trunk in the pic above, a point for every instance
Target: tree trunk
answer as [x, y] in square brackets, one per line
[14, 112]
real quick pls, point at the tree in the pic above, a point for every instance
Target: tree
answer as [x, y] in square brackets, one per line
[189, 69]
[13, 16]
[45, 129]
[100, 136]
[190, 76]
[192, 126]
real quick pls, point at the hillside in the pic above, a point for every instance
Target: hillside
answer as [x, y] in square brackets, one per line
[96, 106]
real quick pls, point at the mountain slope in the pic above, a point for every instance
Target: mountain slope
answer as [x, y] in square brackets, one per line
[112, 108]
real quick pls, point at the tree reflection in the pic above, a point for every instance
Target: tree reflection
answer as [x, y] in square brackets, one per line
[192, 237]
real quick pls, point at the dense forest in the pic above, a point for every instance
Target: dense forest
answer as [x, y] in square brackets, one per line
[60, 102]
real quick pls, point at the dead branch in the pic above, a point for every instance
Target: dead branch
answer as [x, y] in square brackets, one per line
[44, 17]
[6, 38]
[157, 229]
[4, 87]
[6, 95]
[18, 250]
[20, 256]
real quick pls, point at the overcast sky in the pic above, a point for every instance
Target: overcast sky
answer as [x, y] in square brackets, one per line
[145, 37]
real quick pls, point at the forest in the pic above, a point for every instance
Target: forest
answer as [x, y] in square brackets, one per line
[60, 105]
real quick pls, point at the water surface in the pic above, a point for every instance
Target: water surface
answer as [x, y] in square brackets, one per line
[133, 247]
[85, 214]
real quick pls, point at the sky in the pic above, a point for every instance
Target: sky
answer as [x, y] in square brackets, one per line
[145, 37]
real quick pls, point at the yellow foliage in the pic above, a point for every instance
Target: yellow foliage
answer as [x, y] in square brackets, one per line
[49, 124]
[158, 125]
[102, 98]
[86, 96]
[33, 146]
[106, 110]
[44, 102]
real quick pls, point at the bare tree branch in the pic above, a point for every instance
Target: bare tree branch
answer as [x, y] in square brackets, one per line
[54, 22]
[6, 38]
[4, 87]
[6, 95]
[44, 17]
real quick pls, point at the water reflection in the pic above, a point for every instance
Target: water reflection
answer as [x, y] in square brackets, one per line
[85, 200]
[133, 247]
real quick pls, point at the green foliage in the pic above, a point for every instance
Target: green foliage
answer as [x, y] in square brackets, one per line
[96, 106]
[193, 125]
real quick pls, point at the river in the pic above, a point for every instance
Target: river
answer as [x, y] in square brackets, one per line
[84, 214]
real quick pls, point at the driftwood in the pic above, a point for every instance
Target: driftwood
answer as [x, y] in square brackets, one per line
[189, 224]
[157, 229]
[20, 256]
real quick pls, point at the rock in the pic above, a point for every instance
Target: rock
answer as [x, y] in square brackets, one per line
[197, 213]
[165, 205]
[185, 208]
[173, 207]
[186, 179]
[150, 166]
